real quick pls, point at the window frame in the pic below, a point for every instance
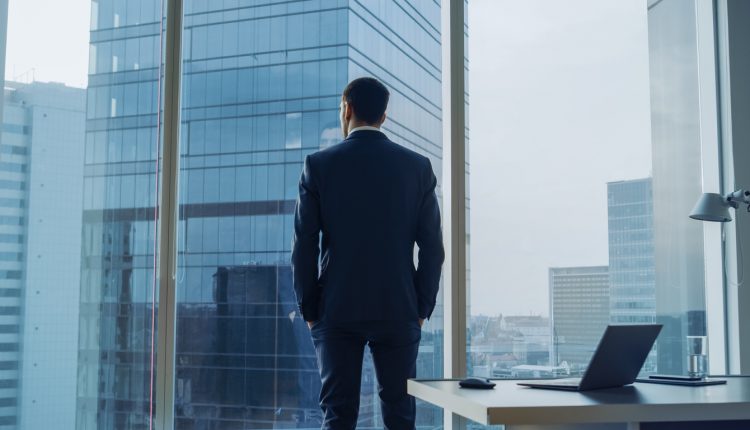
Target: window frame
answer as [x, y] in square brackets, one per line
[732, 104]
[711, 180]
[168, 188]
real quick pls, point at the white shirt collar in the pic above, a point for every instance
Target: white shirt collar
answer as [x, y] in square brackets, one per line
[363, 128]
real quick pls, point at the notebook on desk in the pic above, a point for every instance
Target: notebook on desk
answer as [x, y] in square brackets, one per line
[687, 383]
[618, 359]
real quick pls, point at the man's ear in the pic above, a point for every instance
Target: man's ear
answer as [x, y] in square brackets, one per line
[348, 111]
[382, 119]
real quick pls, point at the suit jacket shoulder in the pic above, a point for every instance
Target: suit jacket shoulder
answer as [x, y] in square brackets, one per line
[343, 148]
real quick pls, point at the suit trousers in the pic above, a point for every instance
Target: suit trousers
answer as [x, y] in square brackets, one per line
[340, 350]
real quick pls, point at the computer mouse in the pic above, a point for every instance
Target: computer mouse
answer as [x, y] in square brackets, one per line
[477, 383]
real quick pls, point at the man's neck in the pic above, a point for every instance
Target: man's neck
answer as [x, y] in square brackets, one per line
[362, 127]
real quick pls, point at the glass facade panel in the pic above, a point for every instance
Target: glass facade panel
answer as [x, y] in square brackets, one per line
[675, 123]
[586, 161]
[262, 84]
[77, 199]
[118, 293]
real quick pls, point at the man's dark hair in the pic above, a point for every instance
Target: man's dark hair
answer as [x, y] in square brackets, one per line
[368, 97]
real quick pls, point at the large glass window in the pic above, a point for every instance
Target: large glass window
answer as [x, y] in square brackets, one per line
[588, 141]
[680, 269]
[261, 89]
[79, 146]
[586, 161]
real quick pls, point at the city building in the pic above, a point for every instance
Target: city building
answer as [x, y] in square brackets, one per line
[490, 348]
[579, 313]
[41, 158]
[500, 343]
[262, 84]
[632, 292]
[631, 251]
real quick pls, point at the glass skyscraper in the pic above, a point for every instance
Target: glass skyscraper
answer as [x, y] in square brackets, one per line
[632, 290]
[630, 213]
[261, 87]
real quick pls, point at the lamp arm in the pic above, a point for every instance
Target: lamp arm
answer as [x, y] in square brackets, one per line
[740, 196]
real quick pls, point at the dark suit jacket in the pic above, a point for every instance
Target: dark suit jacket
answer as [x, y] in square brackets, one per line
[372, 200]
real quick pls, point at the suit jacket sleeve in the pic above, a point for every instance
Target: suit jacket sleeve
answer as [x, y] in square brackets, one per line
[430, 242]
[306, 245]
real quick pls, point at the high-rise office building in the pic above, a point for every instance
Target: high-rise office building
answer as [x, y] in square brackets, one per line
[262, 84]
[632, 293]
[579, 313]
[676, 154]
[41, 157]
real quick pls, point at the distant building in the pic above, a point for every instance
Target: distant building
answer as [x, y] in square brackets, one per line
[500, 343]
[528, 371]
[632, 289]
[631, 251]
[41, 183]
[490, 347]
[579, 312]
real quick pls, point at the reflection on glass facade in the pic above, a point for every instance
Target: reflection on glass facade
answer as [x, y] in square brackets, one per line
[242, 356]
[676, 147]
[262, 83]
[117, 278]
[632, 294]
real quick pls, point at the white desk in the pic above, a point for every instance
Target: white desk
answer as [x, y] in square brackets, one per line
[525, 408]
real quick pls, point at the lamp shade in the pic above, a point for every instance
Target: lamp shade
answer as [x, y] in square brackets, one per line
[711, 207]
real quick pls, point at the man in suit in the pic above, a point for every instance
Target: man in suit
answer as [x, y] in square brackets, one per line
[363, 204]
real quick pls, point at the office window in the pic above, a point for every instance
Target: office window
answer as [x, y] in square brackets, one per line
[77, 209]
[262, 88]
[586, 160]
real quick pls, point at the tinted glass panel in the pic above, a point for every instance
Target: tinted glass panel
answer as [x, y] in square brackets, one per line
[262, 87]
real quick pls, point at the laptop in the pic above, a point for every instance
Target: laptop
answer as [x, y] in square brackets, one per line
[617, 360]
